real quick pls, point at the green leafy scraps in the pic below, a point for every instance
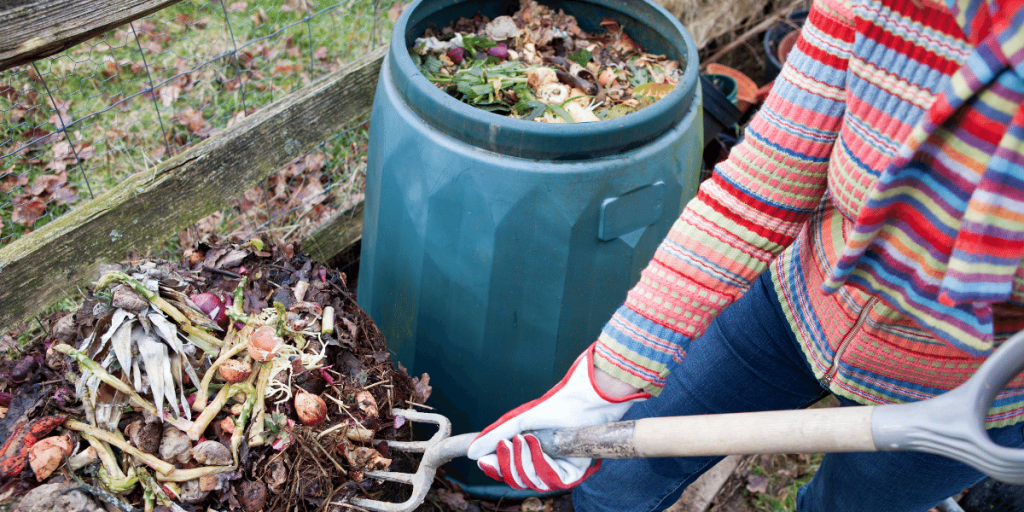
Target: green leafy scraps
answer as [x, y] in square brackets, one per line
[538, 108]
[474, 44]
[560, 112]
[581, 57]
[483, 83]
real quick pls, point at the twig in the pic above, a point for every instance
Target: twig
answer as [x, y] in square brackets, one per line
[345, 410]
[764, 25]
[329, 457]
[377, 384]
[349, 505]
[222, 272]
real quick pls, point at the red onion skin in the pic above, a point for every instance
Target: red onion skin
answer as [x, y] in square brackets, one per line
[456, 55]
[213, 306]
[500, 51]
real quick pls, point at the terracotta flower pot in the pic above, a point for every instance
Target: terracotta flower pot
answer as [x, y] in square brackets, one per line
[746, 88]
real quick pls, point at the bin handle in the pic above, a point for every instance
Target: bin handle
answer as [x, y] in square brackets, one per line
[631, 211]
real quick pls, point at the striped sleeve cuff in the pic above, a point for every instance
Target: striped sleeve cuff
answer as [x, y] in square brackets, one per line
[638, 351]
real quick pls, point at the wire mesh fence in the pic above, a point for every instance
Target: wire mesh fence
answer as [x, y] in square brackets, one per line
[76, 123]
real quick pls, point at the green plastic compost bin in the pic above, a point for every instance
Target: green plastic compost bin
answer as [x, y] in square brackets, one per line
[495, 249]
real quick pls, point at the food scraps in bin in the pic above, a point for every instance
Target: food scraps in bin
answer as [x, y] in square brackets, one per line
[539, 65]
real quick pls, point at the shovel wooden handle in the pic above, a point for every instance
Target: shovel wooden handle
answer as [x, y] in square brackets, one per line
[846, 429]
[951, 424]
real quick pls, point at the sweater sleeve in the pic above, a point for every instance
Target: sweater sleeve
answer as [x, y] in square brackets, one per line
[751, 208]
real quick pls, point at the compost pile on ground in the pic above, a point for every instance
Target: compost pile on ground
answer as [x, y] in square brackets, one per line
[244, 377]
[537, 64]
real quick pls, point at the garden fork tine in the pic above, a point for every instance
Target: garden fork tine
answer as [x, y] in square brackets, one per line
[437, 450]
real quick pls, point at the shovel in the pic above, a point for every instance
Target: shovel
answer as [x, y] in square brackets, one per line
[951, 425]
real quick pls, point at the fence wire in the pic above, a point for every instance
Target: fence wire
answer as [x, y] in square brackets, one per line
[76, 123]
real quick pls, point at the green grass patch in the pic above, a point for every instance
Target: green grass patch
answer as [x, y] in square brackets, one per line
[774, 480]
[77, 123]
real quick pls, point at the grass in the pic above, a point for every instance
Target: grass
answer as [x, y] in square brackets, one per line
[76, 123]
[785, 474]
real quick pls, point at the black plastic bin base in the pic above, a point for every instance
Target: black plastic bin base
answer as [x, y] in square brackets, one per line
[993, 496]
[719, 112]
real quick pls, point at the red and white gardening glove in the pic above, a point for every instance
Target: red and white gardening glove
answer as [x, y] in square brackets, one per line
[504, 454]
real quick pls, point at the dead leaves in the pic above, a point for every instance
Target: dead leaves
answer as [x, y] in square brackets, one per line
[108, 93]
[297, 196]
[771, 478]
[46, 190]
[367, 404]
[758, 483]
[194, 122]
[26, 214]
[396, 10]
[454, 500]
[169, 94]
[421, 389]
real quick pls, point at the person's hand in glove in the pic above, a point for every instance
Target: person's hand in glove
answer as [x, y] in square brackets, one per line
[586, 396]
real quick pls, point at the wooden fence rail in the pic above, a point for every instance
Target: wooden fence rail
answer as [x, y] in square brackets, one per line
[147, 208]
[33, 29]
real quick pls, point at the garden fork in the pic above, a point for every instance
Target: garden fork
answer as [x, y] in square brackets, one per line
[951, 425]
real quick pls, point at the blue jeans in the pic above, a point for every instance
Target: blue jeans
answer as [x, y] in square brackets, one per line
[749, 360]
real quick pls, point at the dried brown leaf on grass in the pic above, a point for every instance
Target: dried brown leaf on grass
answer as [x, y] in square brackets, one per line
[453, 499]
[194, 121]
[758, 483]
[27, 213]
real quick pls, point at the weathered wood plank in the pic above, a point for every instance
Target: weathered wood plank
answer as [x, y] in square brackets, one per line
[335, 235]
[149, 207]
[33, 29]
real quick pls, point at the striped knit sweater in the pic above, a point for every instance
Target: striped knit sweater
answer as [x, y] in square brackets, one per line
[860, 77]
